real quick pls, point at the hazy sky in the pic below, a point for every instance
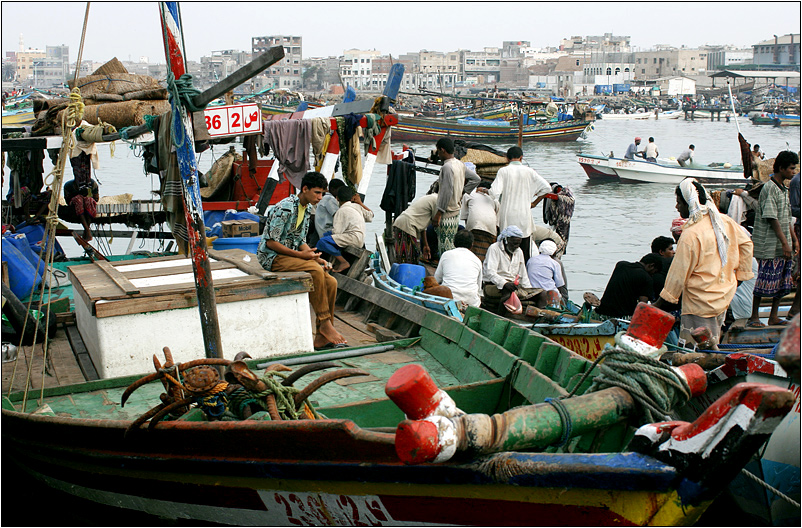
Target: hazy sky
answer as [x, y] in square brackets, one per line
[131, 29]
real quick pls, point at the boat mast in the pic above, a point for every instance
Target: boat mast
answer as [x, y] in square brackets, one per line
[196, 231]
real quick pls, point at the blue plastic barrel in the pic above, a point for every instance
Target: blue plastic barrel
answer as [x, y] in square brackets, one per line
[22, 276]
[250, 244]
[21, 243]
[410, 275]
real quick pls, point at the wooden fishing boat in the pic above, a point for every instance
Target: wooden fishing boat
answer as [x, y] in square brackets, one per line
[586, 339]
[18, 117]
[344, 469]
[618, 117]
[423, 129]
[775, 119]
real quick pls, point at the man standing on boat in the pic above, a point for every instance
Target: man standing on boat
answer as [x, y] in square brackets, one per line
[713, 254]
[519, 189]
[632, 150]
[686, 156]
[455, 178]
[775, 241]
[283, 248]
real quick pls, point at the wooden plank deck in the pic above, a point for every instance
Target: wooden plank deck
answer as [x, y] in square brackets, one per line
[64, 366]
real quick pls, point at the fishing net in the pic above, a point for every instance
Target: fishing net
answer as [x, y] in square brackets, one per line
[112, 66]
[482, 157]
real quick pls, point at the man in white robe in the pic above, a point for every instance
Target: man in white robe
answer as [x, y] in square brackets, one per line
[518, 189]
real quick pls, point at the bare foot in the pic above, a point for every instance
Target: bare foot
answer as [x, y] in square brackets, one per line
[340, 267]
[87, 235]
[328, 331]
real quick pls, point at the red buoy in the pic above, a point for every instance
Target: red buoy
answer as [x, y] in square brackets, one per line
[414, 391]
[416, 441]
[695, 376]
[650, 325]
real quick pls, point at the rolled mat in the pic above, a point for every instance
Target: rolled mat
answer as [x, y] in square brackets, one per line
[482, 157]
[126, 113]
[115, 83]
[113, 66]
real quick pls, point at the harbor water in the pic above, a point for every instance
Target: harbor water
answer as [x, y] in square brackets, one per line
[612, 221]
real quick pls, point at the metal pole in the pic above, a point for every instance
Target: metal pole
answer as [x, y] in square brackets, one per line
[193, 210]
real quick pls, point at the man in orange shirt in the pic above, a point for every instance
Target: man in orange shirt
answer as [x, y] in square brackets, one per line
[713, 254]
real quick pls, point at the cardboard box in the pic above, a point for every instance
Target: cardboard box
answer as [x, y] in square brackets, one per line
[240, 228]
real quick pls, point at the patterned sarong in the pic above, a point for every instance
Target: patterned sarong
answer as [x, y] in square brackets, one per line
[774, 277]
[407, 247]
[481, 241]
[445, 233]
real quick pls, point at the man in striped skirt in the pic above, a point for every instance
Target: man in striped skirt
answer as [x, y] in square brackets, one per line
[455, 179]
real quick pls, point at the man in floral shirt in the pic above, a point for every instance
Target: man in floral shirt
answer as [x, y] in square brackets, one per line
[283, 248]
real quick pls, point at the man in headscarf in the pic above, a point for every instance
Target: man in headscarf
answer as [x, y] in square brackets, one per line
[503, 264]
[545, 272]
[712, 255]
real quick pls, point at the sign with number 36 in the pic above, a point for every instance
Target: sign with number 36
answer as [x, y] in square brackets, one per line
[233, 120]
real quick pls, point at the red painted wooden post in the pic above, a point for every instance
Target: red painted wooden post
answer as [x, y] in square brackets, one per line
[196, 231]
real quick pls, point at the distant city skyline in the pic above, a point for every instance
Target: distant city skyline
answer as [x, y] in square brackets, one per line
[129, 30]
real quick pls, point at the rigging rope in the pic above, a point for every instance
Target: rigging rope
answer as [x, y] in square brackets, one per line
[70, 119]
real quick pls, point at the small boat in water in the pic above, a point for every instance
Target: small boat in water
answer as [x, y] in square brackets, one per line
[429, 129]
[639, 171]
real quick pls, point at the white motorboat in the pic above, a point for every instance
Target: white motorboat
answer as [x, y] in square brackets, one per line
[664, 171]
[634, 115]
[638, 171]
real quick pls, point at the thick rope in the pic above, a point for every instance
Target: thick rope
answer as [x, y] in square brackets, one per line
[70, 119]
[653, 384]
[182, 92]
[770, 488]
[285, 401]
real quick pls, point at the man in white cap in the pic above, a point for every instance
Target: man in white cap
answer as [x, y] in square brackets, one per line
[544, 271]
[632, 149]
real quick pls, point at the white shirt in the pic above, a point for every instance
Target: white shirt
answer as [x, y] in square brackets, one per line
[417, 216]
[500, 269]
[515, 187]
[349, 225]
[651, 150]
[544, 272]
[461, 271]
[479, 211]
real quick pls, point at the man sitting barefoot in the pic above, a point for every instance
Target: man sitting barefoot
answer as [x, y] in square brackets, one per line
[348, 228]
[283, 248]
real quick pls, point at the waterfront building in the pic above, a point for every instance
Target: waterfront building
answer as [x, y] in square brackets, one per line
[286, 73]
[778, 51]
[665, 61]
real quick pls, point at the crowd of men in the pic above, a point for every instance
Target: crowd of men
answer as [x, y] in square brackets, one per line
[488, 248]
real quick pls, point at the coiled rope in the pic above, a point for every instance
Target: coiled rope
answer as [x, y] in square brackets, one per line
[285, 401]
[653, 384]
[565, 419]
[181, 91]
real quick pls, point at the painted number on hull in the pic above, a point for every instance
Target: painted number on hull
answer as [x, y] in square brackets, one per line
[233, 120]
[315, 509]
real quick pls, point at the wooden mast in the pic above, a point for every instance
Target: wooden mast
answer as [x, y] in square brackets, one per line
[196, 231]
